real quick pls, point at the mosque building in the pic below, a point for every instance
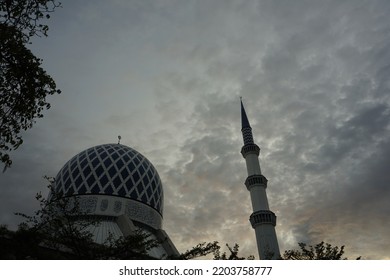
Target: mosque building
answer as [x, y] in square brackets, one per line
[121, 189]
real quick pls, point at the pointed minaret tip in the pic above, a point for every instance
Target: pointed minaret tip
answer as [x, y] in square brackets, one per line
[244, 118]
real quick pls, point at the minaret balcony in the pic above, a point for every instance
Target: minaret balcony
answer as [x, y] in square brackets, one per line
[262, 217]
[255, 180]
[250, 149]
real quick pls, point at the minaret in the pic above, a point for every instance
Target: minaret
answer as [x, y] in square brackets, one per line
[262, 219]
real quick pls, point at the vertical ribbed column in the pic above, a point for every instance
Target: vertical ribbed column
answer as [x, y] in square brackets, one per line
[262, 219]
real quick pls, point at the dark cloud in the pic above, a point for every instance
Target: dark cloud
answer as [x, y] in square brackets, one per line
[314, 79]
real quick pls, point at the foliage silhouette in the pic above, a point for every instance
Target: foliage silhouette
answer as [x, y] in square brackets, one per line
[204, 249]
[24, 84]
[320, 251]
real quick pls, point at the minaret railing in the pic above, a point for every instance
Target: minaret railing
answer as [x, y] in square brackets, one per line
[250, 149]
[255, 180]
[262, 217]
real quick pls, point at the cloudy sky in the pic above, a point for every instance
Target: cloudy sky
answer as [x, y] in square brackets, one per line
[167, 76]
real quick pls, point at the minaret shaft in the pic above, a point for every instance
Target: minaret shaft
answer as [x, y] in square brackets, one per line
[262, 219]
[259, 199]
[252, 165]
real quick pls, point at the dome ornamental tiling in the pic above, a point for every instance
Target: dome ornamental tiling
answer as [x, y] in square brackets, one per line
[113, 170]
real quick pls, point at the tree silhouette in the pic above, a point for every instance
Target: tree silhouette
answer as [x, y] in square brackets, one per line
[204, 249]
[24, 84]
[321, 251]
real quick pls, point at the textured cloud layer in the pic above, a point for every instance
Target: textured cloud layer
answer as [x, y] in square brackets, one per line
[166, 75]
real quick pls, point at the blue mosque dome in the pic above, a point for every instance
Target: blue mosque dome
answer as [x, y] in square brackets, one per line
[112, 170]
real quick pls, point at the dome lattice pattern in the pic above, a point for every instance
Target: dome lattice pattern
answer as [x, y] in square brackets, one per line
[112, 169]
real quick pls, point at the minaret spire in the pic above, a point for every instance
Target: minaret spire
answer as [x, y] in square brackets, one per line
[244, 118]
[245, 127]
[262, 219]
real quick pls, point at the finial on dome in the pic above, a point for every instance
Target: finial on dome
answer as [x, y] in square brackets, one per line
[119, 139]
